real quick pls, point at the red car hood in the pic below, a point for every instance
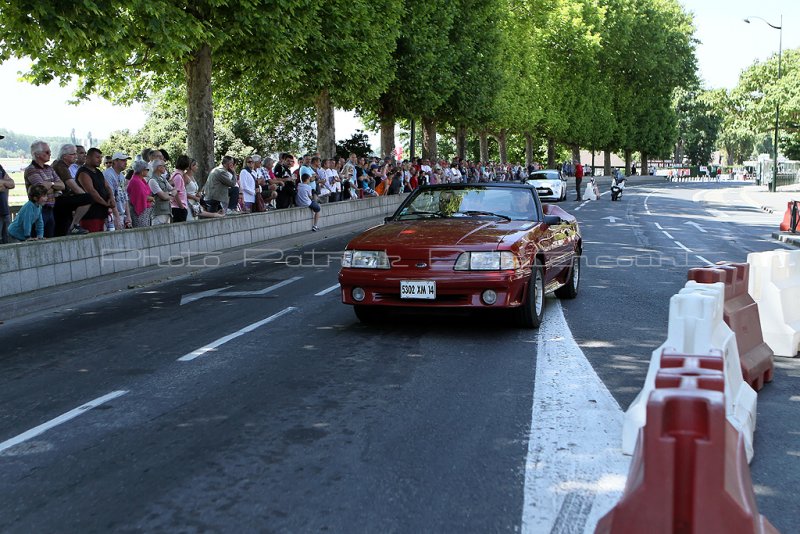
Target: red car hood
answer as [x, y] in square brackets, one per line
[471, 234]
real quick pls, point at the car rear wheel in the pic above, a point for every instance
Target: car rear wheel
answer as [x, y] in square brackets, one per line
[570, 289]
[530, 314]
[364, 314]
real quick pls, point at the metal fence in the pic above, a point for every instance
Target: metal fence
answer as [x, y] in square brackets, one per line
[788, 172]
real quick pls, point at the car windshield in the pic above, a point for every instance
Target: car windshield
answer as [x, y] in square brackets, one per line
[543, 175]
[503, 203]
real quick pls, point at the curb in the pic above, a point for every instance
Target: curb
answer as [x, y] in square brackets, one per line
[788, 238]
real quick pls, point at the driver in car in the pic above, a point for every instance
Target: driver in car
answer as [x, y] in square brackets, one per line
[522, 206]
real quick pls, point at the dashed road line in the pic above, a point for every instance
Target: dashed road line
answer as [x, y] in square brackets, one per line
[326, 291]
[659, 227]
[221, 341]
[63, 418]
[701, 258]
[667, 234]
[681, 245]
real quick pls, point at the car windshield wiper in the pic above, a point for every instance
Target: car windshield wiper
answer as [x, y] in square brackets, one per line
[431, 213]
[486, 213]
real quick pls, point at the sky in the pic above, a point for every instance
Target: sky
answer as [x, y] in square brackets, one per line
[727, 46]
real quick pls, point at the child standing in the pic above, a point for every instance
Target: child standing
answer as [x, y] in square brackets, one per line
[29, 218]
[305, 198]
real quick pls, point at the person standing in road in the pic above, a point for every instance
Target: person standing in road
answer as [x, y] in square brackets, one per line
[578, 180]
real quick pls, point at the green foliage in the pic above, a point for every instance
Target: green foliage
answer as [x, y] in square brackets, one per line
[357, 144]
[699, 123]
[17, 145]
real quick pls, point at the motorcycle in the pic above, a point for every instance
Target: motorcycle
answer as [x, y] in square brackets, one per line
[617, 186]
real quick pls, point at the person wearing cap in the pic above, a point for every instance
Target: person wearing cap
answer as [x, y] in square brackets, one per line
[116, 182]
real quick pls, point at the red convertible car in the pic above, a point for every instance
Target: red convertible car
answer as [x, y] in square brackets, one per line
[474, 246]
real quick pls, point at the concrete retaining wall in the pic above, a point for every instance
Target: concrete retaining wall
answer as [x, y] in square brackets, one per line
[41, 264]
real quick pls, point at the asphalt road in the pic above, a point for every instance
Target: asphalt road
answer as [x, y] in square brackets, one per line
[310, 421]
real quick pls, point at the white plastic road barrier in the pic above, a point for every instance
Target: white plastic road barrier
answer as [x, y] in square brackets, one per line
[775, 286]
[696, 327]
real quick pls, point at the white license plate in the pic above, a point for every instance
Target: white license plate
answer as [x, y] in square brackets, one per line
[418, 289]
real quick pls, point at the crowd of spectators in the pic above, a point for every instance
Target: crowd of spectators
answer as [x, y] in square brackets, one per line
[82, 191]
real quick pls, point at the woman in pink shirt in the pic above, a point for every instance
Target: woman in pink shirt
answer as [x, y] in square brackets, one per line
[178, 203]
[139, 196]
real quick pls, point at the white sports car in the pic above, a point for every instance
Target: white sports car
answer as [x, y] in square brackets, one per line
[550, 184]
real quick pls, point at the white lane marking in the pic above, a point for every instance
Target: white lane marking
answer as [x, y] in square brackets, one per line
[667, 234]
[575, 441]
[701, 258]
[659, 227]
[611, 219]
[646, 207]
[682, 246]
[277, 286]
[220, 292]
[260, 292]
[63, 418]
[697, 226]
[326, 291]
[221, 341]
[186, 299]
[720, 214]
[698, 197]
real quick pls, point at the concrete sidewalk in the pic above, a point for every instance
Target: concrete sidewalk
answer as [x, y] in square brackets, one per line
[776, 203]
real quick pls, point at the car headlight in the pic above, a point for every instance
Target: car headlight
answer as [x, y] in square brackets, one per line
[487, 261]
[365, 259]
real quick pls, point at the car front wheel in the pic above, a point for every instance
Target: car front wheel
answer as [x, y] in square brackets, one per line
[530, 314]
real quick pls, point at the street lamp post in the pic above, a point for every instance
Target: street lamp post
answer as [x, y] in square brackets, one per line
[774, 185]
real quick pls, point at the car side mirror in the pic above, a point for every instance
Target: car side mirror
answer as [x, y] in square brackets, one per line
[387, 219]
[553, 220]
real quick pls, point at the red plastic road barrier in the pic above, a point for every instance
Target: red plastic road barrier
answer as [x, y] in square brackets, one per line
[741, 315]
[689, 472]
[791, 219]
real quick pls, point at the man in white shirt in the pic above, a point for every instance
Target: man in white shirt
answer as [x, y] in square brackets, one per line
[323, 187]
[334, 181]
[116, 182]
[426, 170]
[80, 152]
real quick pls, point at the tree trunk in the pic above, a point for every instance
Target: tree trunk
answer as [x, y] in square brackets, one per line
[645, 165]
[429, 139]
[484, 143]
[326, 129]
[607, 162]
[502, 142]
[461, 141]
[200, 112]
[387, 136]
[576, 154]
[551, 153]
[592, 162]
[528, 149]
[628, 160]
[413, 140]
